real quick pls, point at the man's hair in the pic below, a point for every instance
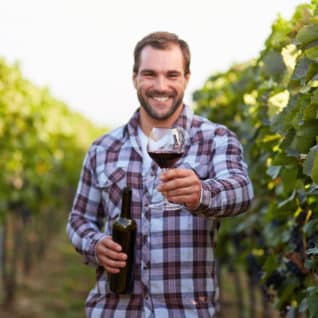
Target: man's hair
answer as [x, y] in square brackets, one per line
[162, 41]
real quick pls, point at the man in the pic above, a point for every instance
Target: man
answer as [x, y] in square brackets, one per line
[175, 272]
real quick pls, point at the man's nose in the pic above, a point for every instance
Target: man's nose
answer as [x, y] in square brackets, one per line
[161, 83]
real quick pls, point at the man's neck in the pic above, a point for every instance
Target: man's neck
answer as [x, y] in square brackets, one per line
[147, 123]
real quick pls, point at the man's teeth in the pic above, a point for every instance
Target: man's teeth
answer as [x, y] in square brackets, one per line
[161, 99]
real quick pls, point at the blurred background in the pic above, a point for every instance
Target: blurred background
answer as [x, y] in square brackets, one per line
[65, 79]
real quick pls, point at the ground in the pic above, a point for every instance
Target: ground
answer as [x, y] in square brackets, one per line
[57, 287]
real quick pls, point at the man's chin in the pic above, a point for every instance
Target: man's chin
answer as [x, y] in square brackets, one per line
[159, 113]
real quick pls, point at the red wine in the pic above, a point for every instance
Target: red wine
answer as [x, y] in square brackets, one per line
[124, 233]
[164, 158]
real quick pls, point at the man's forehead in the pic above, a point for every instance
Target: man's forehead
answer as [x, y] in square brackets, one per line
[168, 48]
[170, 57]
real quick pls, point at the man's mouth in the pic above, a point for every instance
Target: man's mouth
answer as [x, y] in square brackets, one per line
[161, 99]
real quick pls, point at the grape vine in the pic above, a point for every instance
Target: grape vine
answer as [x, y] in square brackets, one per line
[42, 147]
[271, 102]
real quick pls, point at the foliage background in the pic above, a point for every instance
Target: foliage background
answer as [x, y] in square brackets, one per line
[271, 102]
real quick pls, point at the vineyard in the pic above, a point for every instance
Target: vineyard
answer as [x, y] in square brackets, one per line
[42, 147]
[271, 103]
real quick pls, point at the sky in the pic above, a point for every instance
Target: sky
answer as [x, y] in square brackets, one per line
[83, 49]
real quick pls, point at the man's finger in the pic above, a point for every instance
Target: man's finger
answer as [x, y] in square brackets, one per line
[110, 244]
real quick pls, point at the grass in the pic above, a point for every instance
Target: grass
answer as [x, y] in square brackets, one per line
[57, 287]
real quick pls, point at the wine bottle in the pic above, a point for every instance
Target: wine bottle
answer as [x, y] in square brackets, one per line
[124, 233]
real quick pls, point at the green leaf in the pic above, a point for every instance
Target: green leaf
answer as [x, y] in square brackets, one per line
[288, 289]
[314, 98]
[311, 227]
[312, 302]
[274, 64]
[271, 263]
[305, 137]
[289, 137]
[303, 305]
[301, 69]
[312, 74]
[307, 34]
[311, 111]
[314, 172]
[312, 53]
[289, 176]
[309, 162]
[310, 263]
[282, 159]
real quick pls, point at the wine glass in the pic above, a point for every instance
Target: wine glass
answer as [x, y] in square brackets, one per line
[165, 146]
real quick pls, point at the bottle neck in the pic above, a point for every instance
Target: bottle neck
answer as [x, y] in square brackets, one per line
[125, 208]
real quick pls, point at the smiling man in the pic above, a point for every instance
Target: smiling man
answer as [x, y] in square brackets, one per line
[160, 81]
[175, 274]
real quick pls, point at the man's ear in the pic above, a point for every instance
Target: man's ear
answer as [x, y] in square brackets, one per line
[134, 79]
[187, 78]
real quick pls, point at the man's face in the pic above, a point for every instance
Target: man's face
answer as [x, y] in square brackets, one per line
[160, 81]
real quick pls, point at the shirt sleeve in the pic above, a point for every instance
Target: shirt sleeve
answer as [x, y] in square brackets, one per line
[86, 217]
[229, 191]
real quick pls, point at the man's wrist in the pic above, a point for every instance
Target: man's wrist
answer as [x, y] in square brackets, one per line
[198, 204]
[101, 238]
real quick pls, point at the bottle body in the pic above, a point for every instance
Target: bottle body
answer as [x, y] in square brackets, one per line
[124, 232]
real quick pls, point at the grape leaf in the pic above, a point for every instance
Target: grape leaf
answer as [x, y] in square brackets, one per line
[301, 69]
[312, 53]
[309, 162]
[314, 172]
[307, 34]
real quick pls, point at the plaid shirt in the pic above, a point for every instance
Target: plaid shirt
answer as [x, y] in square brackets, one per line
[175, 273]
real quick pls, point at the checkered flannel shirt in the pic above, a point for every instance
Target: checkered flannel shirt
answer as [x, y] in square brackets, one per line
[175, 274]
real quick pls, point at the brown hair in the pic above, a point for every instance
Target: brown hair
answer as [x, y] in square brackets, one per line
[162, 41]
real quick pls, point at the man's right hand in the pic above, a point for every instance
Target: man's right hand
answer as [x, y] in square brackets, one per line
[109, 255]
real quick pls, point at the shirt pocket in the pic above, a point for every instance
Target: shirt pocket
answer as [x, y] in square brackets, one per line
[111, 179]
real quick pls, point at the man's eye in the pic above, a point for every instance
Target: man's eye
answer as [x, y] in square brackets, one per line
[148, 74]
[173, 75]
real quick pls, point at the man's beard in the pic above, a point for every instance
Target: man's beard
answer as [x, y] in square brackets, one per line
[176, 102]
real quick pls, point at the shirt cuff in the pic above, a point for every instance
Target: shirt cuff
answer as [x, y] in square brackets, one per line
[96, 258]
[90, 257]
[200, 202]
[205, 199]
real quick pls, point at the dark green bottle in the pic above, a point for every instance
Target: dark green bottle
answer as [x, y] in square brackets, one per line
[124, 233]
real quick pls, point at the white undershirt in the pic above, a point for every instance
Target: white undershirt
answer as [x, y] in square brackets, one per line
[146, 158]
[146, 167]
